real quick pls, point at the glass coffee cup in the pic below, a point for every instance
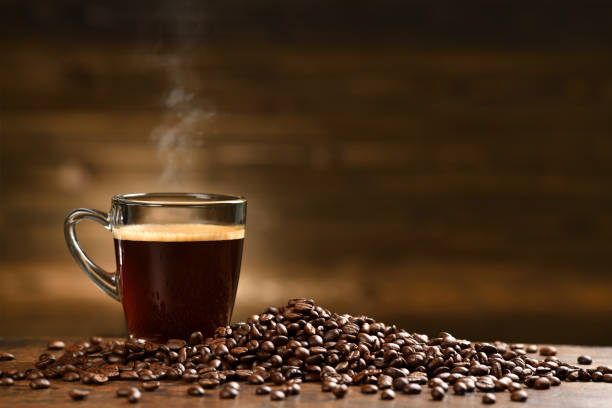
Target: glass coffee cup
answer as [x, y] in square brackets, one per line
[178, 260]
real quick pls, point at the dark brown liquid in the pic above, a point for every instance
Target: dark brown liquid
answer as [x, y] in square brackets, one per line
[171, 289]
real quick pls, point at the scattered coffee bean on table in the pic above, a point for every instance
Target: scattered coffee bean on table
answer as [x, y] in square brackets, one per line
[6, 381]
[489, 398]
[56, 345]
[196, 391]
[40, 384]
[277, 395]
[412, 389]
[369, 389]
[518, 396]
[124, 392]
[548, 351]
[305, 342]
[6, 357]
[228, 393]
[263, 390]
[437, 393]
[387, 394]
[78, 394]
[150, 385]
[339, 390]
[134, 396]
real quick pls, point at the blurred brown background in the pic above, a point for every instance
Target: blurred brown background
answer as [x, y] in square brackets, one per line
[442, 165]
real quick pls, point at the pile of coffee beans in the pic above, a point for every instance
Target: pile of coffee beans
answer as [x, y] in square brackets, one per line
[303, 342]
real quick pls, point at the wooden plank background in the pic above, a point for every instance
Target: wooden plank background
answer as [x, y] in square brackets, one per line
[439, 165]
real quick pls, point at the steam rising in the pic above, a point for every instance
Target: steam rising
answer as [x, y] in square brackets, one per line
[179, 135]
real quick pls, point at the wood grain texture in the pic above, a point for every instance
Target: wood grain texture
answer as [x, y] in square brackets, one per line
[568, 395]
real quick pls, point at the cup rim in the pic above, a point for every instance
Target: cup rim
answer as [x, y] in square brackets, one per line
[177, 199]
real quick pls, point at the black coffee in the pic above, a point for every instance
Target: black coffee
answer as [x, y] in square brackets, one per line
[177, 279]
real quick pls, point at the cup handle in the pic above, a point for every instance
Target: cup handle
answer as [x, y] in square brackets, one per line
[103, 279]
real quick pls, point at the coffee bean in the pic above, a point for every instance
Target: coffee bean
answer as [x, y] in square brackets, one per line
[518, 396]
[489, 398]
[233, 384]
[255, 379]
[128, 375]
[541, 383]
[459, 388]
[6, 357]
[134, 395]
[263, 390]
[124, 392]
[328, 384]
[412, 388]
[387, 394]
[196, 391]
[339, 390]
[228, 392]
[208, 383]
[150, 385]
[277, 395]
[532, 348]
[437, 393]
[71, 376]
[78, 394]
[56, 345]
[548, 351]
[369, 389]
[586, 360]
[607, 378]
[6, 381]
[40, 383]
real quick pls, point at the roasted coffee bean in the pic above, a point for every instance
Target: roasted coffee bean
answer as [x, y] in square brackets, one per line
[134, 395]
[459, 388]
[328, 384]
[40, 383]
[412, 388]
[128, 375]
[228, 393]
[263, 390]
[586, 360]
[437, 393]
[6, 357]
[277, 395]
[78, 394]
[232, 384]
[548, 351]
[339, 390]
[71, 376]
[542, 383]
[255, 379]
[607, 378]
[195, 391]
[518, 396]
[369, 389]
[400, 382]
[208, 383]
[56, 345]
[6, 381]
[124, 392]
[489, 398]
[387, 394]
[150, 385]
[277, 378]
[532, 348]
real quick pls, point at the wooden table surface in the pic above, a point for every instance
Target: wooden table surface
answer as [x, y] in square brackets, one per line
[174, 393]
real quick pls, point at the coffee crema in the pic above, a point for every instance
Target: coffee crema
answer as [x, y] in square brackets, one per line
[177, 278]
[178, 232]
